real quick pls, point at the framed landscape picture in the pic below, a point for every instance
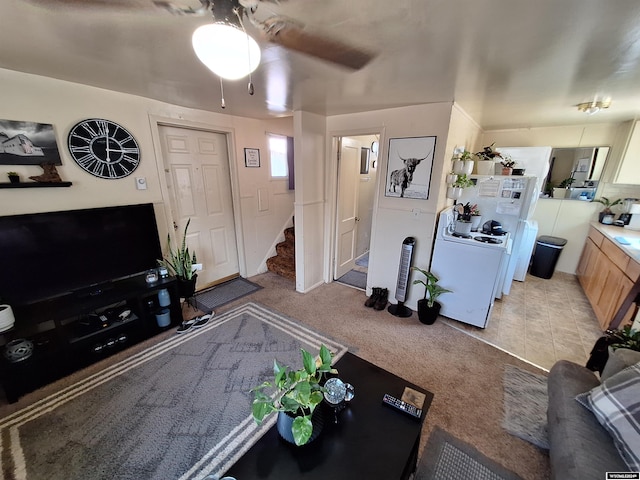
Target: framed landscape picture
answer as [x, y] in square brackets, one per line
[409, 167]
[28, 143]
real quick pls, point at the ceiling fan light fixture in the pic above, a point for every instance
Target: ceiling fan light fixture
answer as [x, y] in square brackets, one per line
[226, 50]
[591, 108]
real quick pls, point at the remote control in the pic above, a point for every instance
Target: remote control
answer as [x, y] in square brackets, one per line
[402, 406]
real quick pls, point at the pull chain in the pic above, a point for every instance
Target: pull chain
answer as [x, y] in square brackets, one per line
[250, 88]
[222, 104]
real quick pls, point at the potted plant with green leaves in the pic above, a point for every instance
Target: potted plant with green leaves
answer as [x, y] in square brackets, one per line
[463, 163]
[13, 177]
[606, 214]
[507, 165]
[295, 395]
[626, 337]
[454, 190]
[487, 158]
[181, 263]
[428, 307]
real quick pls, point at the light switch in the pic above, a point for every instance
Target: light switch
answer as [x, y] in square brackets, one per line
[141, 183]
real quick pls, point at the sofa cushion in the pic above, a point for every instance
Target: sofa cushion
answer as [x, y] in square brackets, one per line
[580, 448]
[618, 360]
[616, 405]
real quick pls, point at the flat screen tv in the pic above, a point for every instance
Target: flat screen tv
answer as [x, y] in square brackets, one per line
[45, 255]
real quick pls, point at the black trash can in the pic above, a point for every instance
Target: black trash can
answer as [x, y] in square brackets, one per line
[545, 256]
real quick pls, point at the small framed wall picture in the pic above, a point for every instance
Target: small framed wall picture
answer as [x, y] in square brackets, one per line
[251, 157]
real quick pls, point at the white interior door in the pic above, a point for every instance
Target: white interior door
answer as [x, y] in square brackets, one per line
[199, 183]
[347, 205]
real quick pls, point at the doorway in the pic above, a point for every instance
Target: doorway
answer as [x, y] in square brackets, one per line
[356, 180]
[199, 184]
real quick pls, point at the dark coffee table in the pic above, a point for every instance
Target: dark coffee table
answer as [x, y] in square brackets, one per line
[369, 441]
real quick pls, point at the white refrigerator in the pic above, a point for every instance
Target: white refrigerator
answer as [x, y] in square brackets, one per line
[509, 200]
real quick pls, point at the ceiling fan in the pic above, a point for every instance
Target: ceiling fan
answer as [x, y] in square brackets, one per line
[276, 29]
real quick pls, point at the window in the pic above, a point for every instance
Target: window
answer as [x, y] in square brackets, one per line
[278, 156]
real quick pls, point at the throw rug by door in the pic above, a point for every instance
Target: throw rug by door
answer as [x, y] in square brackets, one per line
[178, 410]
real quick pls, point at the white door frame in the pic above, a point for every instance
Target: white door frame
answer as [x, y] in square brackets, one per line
[167, 227]
[332, 194]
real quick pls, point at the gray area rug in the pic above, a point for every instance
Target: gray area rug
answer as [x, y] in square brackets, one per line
[179, 410]
[447, 458]
[214, 297]
[525, 405]
[354, 279]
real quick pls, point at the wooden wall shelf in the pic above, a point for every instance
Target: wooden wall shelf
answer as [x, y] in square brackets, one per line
[34, 184]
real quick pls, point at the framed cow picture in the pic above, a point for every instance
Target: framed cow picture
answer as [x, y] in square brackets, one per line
[409, 167]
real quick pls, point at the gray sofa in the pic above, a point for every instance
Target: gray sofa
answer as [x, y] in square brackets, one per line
[580, 448]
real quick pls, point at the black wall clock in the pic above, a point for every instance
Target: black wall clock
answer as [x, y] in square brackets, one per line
[103, 148]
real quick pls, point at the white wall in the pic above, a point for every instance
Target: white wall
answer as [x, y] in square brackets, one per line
[568, 219]
[311, 246]
[398, 218]
[63, 104]
[564, 218]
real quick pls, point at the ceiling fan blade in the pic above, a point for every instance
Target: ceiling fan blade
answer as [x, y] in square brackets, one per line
[288, 34]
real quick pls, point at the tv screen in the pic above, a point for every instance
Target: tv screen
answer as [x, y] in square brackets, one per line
[45, 255]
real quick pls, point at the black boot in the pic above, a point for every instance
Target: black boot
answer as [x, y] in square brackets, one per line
[371, 301]
[381, 302]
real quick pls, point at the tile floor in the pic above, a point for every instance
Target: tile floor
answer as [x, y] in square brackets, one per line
[541, 321]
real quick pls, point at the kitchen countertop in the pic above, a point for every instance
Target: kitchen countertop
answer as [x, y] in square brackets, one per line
[616, 234]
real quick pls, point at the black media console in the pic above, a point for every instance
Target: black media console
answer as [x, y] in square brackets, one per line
[74, 330]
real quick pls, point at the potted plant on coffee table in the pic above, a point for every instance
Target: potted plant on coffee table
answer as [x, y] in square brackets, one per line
[295, 395]
[428, 307]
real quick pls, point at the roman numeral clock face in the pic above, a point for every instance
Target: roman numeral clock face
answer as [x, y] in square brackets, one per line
[104, 148]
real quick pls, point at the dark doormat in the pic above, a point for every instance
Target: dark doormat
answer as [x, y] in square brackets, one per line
[354, 279]
[447, 458]
[226, 292]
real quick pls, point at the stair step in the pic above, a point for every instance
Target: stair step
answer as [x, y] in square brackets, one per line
[286, 250]
[283, 266]
[290, 234]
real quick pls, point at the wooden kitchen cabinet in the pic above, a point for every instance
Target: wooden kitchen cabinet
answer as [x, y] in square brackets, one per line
[607, 275]
[586, 267]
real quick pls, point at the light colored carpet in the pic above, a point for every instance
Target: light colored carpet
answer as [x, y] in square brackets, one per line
[178, 410]
[447, 458]
[464, 373]
[525, 405]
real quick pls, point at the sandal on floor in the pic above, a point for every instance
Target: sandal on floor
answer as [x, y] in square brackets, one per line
[202, 321]
[186, 325]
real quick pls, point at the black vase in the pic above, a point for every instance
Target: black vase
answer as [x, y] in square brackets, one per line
[285, 421]
[427, 314]
[187, 287]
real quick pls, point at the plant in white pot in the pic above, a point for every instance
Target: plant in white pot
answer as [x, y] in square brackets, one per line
[487, 159]
[454, 190]
[295, 395]
[464, 222]
[428, 307]
[463, 163]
